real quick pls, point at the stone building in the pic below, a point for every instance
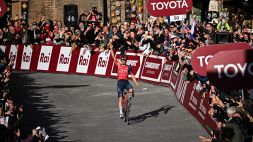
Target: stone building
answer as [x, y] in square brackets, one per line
[117, 11]
[54, 9]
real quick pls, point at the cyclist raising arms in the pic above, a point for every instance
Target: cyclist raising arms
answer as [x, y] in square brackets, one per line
[123, 71]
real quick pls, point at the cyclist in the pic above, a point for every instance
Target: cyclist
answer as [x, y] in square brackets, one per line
[123, 71]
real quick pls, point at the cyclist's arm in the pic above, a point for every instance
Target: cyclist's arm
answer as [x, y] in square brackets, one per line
[134, 79]
[114, 57]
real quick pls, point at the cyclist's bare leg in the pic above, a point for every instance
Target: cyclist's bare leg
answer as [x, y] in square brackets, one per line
[120, 107]
[120, 102]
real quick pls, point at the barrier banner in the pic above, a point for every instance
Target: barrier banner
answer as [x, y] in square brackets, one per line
[133, 59]
[83, 61]
[44, 57]
[174, 77]
[13, 55]
[102, 63]
[180, 88]
[152, 68]
[198, 106]
[166, 72]
[64, 59]
[26, 58]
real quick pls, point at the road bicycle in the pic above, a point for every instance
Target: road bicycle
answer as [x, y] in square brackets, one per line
[126, 103]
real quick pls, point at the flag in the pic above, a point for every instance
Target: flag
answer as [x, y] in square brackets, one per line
[192, 30]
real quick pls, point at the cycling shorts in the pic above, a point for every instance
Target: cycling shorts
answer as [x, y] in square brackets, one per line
[122, 85]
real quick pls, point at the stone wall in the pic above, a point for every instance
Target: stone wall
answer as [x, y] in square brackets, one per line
[53, 9]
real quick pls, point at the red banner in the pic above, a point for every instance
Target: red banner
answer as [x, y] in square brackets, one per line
[198, 106]
[159, 8]
[152, 68]
[202, 55]
[133, 59]
[232, 69]
[174, 77]
[166, 72]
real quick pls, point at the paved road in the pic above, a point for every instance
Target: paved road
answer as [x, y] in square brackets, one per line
[76, 108]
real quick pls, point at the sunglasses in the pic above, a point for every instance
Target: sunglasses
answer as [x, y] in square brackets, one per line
[123, 59]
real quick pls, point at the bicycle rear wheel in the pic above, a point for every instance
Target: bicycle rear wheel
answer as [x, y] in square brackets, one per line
[124, 104]
[127, 113]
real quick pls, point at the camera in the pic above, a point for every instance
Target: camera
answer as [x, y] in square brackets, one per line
[41, 134]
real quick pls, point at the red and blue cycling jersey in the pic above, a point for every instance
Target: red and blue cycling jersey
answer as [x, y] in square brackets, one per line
[123, 71]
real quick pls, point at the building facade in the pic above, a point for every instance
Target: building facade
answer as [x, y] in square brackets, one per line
[116, 11]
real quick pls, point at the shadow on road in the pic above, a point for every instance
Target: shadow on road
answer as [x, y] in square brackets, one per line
[153, 114]
[37, 106]
[59, 86]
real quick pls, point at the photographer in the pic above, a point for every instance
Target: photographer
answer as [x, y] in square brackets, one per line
[93, 15]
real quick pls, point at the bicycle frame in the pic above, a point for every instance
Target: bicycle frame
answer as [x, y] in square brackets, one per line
[126, 109]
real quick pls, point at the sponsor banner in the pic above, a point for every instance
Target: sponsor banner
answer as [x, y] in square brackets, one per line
[180, 90]
[231, 69]
[159, 8]
[166, 73]
[64, 59]
[26, 58]
[2, 48]
[83, 61]
[197, 104]
[152, 68]
[102, 63]
[202, 55]
[133, 59]
[44, 58]
[174, 76]
[194, 97]
[13, 55]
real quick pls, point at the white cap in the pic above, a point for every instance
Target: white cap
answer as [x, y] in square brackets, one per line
[231, 110]
[173, 36]
[38, 128]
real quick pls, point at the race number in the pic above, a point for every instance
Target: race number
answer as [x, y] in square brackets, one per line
[175, 18]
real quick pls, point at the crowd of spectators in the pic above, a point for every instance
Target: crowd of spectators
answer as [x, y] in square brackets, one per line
[232, 110]
[11, 113]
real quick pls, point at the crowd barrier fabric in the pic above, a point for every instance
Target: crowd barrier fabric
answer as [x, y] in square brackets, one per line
[133, 59]
[153, 69]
